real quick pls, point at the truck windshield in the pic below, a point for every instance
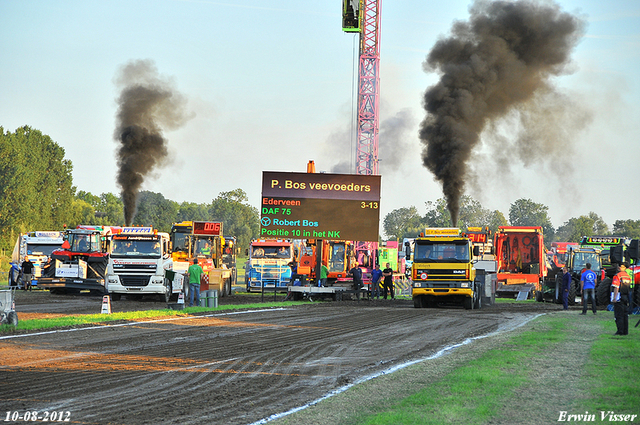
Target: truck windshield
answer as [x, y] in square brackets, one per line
[135, 248]
[262, 251]
[84, 242]
[446, 252]
[336, 257]
[580, 260]
[35, 249]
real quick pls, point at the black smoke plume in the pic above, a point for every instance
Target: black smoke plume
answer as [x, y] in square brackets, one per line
[147, 104]
[498, 60]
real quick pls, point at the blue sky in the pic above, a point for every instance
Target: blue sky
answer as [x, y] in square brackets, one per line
[269, 86]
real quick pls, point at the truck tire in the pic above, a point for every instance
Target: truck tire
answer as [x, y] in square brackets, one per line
[420, 301]
[478, 299]
[165, 297]
[12, 318]
[573, 290]
[468, 303]
[557, 298]
[603, 292]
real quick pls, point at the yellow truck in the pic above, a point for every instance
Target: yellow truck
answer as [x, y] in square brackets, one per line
[443, 269]
[216, 254]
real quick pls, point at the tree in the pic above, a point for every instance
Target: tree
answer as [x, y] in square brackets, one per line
[402, 223]
[472, 214]
[525, 212]
[155, 210]
[437, 214]
[190, 211]
[238, 217]
[35, 184]
[586, 225]
[628, 228]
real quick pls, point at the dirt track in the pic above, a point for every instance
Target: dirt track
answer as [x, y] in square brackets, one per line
[232, 368]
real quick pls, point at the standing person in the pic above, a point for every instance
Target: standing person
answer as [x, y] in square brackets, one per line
[27, 273]
[620, 298]
[324, 272]
[356, 272]
[194, 272]
[376, 275]
[566, 284]
[588, 288]
[295, 276]
[388, 282]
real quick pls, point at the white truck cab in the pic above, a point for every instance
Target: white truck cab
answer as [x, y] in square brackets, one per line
[140, 264]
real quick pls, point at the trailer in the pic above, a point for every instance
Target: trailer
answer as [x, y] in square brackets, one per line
[81, 262]
[37, 246]
[522, 265]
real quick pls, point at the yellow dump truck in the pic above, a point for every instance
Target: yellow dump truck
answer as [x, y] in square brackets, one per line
[443, 269]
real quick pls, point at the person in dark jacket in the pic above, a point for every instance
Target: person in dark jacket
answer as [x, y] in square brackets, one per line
[566, 285]
[27, 273]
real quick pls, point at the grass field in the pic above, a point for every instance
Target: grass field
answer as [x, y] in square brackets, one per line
[555, 368]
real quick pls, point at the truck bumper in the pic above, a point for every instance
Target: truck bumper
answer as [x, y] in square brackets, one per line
[71, 283]
[442, 292]
[116, 287]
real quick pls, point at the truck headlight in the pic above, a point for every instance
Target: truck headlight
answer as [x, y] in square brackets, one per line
[465, 284]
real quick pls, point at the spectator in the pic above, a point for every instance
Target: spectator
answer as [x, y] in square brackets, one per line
[388, 282]
[195, 273]
[376, 275]
[621, 285]
[324, 272]
[588, 288]
[27, 273]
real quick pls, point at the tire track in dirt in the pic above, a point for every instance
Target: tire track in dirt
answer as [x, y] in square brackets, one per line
[235, 369]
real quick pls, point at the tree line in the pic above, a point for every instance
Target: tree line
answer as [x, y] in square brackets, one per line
[37, 193]
[407, 223]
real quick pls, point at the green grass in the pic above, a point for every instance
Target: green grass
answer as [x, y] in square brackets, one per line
[477, 392]
[84, 319]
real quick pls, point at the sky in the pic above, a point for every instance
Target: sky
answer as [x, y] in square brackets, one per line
[269, 86]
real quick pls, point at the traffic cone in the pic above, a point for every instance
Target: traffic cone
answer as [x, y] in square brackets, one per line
[180, 298]
[106, 304]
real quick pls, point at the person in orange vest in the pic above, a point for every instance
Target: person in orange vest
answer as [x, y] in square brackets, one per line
[620, 298]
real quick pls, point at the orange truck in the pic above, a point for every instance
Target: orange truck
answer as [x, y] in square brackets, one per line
[521, 261]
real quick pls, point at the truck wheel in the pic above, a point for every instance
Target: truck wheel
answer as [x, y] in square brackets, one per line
[166, 296]
[12, 318]
[478, 299]
[418, 302]
[468, 303]
[539, 296]
[603, 292]
[573, 290]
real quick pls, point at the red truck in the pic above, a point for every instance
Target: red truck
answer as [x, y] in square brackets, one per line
[521, 261]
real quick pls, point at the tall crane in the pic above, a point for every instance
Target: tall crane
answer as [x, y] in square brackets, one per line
[363, 16]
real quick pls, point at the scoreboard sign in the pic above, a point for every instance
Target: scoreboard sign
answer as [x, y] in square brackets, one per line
[207, 228]
[320, 206]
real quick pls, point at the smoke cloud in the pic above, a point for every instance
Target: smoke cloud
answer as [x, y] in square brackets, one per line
[501, 60]
[147, 104]
[393, 145]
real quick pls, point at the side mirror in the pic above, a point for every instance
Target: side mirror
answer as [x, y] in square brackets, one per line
[616, 255]
[476, 251]
[633, 250]
[407, 251]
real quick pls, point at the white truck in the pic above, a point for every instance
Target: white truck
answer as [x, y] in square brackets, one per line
[140, 264]
[38, 246]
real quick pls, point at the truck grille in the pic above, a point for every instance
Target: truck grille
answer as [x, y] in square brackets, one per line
[129, 280]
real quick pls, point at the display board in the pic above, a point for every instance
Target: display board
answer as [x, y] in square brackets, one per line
[320, 206]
